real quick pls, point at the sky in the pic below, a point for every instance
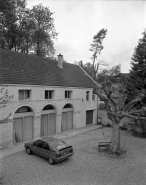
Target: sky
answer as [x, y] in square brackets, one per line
[77, 21]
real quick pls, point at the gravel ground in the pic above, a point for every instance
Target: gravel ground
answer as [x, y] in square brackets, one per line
[86, 167]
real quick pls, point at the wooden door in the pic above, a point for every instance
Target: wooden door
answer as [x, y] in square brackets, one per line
[27, 128]
[18, 133]
[69, 120]
[64, 121]
[89, 117]
[44, 125]
[52, 124]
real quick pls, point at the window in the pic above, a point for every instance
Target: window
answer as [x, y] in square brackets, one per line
[23, 109]
[87, 95]
[68, 94]
[93, 96]
[49, 94]
[48, 107]
[38, 143]
[67, 106]
[46, 146]
[24, 94]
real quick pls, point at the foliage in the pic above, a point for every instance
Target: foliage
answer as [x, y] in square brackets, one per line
[137, 77]
[96, 48]
[26, 30]
[110, 74]
[137, 81]
[44, 31]
[4, 98]
[10, 11]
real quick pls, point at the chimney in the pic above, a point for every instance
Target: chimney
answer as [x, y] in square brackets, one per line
[60, 61]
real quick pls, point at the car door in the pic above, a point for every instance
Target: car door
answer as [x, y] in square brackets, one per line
[52, 153]
[37, 146]
[45, 150]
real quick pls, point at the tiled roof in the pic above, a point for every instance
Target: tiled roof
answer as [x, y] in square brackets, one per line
[19, 68]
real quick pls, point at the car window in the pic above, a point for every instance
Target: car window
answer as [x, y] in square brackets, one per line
[39, 143]
[46, 146]
[59, 145]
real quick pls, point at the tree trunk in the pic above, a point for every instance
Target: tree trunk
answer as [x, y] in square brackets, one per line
[115, 141]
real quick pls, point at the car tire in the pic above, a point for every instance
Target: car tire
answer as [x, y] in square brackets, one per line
[51, 161]
[28, 151]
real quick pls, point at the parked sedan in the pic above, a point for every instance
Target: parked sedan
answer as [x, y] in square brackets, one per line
[50, 148]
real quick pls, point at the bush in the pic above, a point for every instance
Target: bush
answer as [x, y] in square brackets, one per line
[139, 128]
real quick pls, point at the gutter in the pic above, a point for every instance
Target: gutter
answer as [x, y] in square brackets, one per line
[88, 75]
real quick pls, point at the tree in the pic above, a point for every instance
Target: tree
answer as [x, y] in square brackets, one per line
[10, 32]
[96, 48]
[137, 76]
[25, 30]
[109, 74]
[87, 67]
[114, 96]
[137, 79]
[45, 32]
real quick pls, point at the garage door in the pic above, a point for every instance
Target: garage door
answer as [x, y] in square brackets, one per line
[18, 130]
[48, 124]
[23, 129]
[89, 117]
[67, 120]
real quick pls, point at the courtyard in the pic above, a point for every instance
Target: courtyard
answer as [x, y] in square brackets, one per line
[86, 167]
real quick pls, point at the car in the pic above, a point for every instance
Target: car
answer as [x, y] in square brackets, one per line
[55, 150]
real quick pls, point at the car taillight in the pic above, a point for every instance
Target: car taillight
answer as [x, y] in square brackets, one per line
[58, 155]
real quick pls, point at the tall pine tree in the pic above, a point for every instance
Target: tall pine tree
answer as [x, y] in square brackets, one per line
[137, 78]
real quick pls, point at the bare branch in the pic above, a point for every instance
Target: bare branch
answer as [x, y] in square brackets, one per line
[133, 102]
[102, 95]
[109, 93]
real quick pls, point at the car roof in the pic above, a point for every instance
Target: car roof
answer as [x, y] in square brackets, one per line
[50, 140]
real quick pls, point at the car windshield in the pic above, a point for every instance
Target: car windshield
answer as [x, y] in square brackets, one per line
[59, 145]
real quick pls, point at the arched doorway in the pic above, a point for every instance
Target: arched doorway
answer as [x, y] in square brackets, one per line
[23, 124]
[48, 120]
[67, 117]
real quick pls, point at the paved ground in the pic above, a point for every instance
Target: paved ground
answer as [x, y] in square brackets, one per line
[86, 167]
[63, 135]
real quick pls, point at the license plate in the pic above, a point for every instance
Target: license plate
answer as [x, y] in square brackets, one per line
[65, 153]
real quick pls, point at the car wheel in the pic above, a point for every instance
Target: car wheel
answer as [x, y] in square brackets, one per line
[51, 161]
[28, 150]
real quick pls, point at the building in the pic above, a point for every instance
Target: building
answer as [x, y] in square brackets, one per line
[49, 97]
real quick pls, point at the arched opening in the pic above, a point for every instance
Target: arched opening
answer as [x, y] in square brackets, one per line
[48, 120]
[68, 106]
[67, 117]
[48, 107]
[23, 124]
